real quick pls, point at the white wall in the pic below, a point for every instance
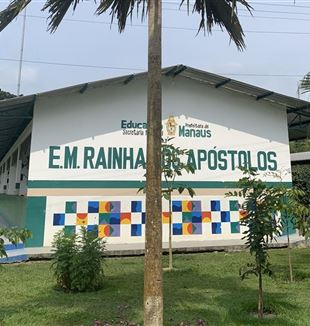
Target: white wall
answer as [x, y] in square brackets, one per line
[236, 122]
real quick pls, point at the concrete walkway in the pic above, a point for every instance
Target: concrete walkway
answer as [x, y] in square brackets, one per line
[178, 246]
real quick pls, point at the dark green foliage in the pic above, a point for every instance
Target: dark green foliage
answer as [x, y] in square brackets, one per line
[212, 12]
[77, 261]
[14, 236]
[301, 180]
[298, 146]
[5, 95]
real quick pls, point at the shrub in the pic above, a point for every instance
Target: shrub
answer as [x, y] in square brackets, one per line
[77, 261]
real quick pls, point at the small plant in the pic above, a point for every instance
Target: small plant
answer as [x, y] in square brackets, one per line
[14, 236]
[261, 204]
[77, 261]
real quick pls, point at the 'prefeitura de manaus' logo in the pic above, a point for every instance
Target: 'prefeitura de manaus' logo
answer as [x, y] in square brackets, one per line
[130, 158]
[172, 128]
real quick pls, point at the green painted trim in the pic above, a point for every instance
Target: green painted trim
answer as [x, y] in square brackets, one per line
[130, 184]
[35, 220]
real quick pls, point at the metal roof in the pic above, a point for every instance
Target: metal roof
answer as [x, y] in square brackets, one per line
[17, 112]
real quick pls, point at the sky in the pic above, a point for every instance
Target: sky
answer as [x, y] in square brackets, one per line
[87, 47]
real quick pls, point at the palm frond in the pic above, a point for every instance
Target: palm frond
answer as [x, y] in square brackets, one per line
[57, 9]
[222, 13]
[304, 85]
[122, 9]
[12, 10]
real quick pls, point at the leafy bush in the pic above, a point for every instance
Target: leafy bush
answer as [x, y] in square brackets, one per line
[77, 261]
[14, 236]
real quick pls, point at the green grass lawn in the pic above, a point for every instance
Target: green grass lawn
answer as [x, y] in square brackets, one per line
[203, 286]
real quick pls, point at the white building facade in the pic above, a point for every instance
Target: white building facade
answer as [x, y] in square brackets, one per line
[87, 145]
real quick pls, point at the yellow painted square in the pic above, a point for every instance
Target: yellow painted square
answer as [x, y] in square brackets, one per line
[82, 219]
[187, 206]
[104, 207]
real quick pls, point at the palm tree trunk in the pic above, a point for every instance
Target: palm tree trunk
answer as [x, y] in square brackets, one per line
[170, 234]
[153, 293]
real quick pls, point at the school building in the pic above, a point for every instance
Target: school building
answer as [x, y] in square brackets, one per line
[73, 156]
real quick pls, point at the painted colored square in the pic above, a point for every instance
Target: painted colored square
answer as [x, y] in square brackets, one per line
[225, 216]
[81, 219]
[104, 207]
[93, 207]
[104, 218]
[197, 228]
[186, 206]
[103, 231]
[215, 205]
[143, 217]
[196, 206]
[216, 228]
[69, 229]
[92, 228]
[177, 228]
[196, 217]
[235, 227]
[206, 217]
[71, 206]
[165, 217]
[115, 230]
[176, 206]
[187, 228]
[136, 230]
[115, 218]
[115, 206]
[136, 206]
[125, 218]
[233, 205]
[187, 217]
[59, 219]
[242, 214]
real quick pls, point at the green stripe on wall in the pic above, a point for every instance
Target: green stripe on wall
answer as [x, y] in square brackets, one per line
[130, 184]
[35, 220]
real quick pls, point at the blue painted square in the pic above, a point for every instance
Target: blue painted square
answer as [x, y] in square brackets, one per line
[136, 230]
[115, 206]
[197, 228]
[115, 230]
[176, 206]
[59, 219]
[92, 228]
[196, 217]
[216, 228]
[196, 206]
[136, 206]
[115, 218]
[177, 229]
[225, 216]
[93, 207]
[215, 205]
[143, 218]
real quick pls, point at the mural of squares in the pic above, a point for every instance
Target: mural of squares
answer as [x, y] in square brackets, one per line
[107, 218]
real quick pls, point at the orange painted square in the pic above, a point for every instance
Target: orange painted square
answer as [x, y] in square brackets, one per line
[165, 217]
[125, 218]
[206, 217]
[187, 228]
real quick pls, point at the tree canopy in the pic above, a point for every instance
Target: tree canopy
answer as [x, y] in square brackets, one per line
[5, 95]
[212, 12]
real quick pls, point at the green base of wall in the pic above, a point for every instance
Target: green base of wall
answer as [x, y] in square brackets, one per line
[35, 220]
